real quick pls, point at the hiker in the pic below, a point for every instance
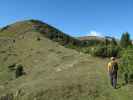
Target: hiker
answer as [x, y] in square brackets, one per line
[112, 70]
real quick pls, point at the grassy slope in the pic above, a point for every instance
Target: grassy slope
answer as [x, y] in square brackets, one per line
[45, 63]
[16, 28]
[54, 72]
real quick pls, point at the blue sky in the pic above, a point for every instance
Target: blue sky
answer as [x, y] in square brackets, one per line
[74, 17]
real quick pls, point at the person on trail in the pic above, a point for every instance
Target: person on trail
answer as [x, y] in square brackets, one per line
[112, 70]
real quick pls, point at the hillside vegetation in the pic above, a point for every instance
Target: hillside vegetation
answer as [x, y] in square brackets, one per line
[38, 26]
[84, 44]
[51, 71]
[49, 68]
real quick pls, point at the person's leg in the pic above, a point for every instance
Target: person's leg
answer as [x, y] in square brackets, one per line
[111, 79]
[114, 80]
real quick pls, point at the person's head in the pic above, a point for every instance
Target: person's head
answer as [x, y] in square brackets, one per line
[112, 58]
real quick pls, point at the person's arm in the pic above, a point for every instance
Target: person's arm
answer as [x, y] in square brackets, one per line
[108, 67]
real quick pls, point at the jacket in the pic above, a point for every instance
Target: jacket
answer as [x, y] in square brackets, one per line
[110, 66]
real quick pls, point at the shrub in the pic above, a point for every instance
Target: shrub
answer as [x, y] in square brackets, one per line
[99, 51]
[126, 63]
[125, 40]
[92, 42]
[105, 51]
[19, 71]
[38, 39]
[71, 46]
[113, 50]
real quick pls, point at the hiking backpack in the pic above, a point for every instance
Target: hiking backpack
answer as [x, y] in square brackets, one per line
[114, 67]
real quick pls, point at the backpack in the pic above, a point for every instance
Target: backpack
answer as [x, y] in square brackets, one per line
[114, 67]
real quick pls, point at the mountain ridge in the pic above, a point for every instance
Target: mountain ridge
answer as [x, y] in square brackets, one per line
[37, 25]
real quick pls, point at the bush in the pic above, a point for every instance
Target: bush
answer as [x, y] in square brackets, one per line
[99, 51]
[105, 51]
[71, 46]
[113, 51]
[19, 71]
[125, 40]
[131, 77]
[126, 63]
[38, 39]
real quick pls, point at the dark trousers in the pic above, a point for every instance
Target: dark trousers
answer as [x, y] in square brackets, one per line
[113, 79]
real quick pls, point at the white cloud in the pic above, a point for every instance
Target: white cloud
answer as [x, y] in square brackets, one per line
[95, 33]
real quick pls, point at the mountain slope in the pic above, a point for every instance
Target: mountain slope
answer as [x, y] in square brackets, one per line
[48, 66]
[85, 38]
[48, 31]
[52, 72]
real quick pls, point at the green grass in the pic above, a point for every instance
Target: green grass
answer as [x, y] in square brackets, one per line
[54, 72]
[57, 73]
